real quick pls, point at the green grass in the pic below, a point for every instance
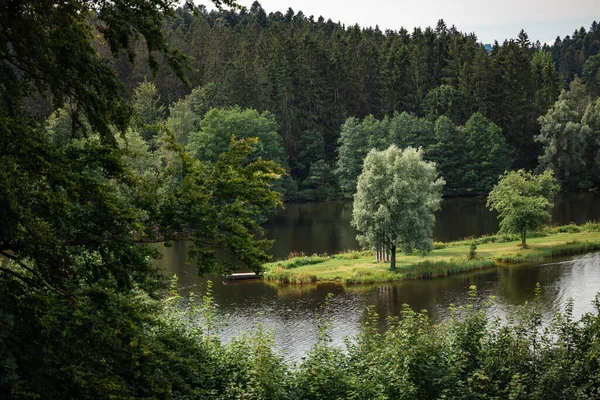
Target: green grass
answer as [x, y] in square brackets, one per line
[445, 259]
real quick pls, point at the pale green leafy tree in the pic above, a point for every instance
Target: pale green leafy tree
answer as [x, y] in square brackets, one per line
[523, 201]
[566, 138]
[397, 195]
[410, 130]
[185, 115]
[183, 120]
[219, 125]
[356, 139]
[147, 110]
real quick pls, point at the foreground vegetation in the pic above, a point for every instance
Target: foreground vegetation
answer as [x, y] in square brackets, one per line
[445, 259]
[169, 349]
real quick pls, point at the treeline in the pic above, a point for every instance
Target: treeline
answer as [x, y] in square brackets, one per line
[313, 74]
[469, 157]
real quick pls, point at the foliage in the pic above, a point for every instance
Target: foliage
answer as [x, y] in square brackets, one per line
[313, 74]
[49, 49]
[147, 111]
[82, 315]
[395, 201]
[470, 158]
[311, 150]
[487, 154]
[219, 205]
[320, 184]
[185, 114]
[308, 73]
[547, 82]
[103, 344]
[445, 100]
[219, 126]
[570, 144]
[408, 130]
[446, 258]
[568, 249]
[591, 75]
[449, 153]
[466, 357]
[472, 251]
[298, 262]
[356, 139]
[77, 288]
[522, 201]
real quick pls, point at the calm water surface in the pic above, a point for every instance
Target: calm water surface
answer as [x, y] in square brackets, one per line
[325, 227]
[291, 311]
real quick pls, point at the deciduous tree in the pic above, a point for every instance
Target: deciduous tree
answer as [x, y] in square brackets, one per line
[564, 137]
[396, 198]
[488, 154]
[219, 125]
[523, 200]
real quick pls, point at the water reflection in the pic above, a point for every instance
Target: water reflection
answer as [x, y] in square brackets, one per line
[291, 311]
[325, 227]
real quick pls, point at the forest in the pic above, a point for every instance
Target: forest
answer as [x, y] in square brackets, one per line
[325, 82]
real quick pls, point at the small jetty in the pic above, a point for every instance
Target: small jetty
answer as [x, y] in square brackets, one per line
[243, 276]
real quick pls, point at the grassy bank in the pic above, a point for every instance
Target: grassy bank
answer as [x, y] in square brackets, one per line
[446, 258]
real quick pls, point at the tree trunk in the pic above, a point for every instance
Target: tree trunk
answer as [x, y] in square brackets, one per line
[523, 239]
[393, 261]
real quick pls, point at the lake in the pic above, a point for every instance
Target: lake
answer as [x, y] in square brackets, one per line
[291, 311]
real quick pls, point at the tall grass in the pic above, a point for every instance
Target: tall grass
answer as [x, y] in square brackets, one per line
[432, 269]
[301, 261]
[567, 249]
[283, 276]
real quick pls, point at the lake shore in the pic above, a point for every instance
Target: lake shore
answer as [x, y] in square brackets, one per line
[356, 267]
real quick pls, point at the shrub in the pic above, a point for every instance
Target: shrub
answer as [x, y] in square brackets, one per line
[572, 228]
[472, 251]
[591, 227]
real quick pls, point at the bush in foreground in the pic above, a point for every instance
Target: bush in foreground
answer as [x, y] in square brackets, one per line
[130, 346]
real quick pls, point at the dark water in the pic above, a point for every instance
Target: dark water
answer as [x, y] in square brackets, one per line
[291, 311]
[325, 227]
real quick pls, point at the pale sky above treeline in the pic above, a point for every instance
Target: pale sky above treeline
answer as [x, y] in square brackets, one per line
[543, 20]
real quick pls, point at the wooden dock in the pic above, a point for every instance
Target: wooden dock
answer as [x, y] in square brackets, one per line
[243, 276]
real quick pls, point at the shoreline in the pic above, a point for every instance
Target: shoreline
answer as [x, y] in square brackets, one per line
[360, 267]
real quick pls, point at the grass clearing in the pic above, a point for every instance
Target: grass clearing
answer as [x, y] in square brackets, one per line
[355, 267]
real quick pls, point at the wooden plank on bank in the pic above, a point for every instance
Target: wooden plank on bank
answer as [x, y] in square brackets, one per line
[242, 276]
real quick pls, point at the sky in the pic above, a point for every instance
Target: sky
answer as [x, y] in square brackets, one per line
[543, 20]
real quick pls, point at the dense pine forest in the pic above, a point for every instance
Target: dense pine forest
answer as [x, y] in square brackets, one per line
[313, 74]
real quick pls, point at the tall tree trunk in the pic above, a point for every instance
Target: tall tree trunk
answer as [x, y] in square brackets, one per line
[523, 239]
[393, 261]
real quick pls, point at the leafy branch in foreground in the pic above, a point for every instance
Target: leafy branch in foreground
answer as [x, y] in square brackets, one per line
[219, 204]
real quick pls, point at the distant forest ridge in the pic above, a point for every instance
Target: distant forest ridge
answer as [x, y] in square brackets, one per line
[314, 74]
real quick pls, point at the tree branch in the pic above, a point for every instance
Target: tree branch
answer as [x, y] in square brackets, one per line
[32, 271]
[17, 275]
